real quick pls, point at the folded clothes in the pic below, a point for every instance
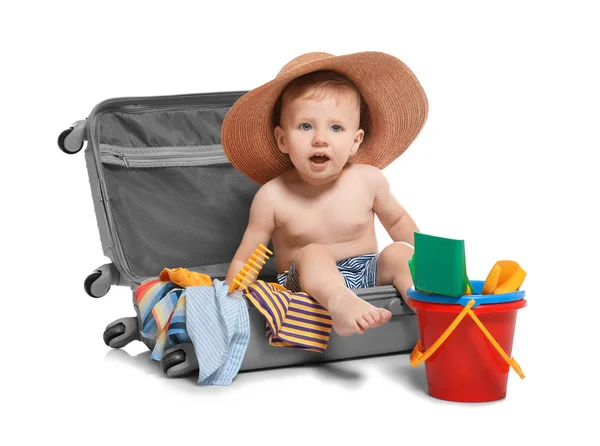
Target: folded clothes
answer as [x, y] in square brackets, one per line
[184, 277]
[292, 319]
[215, 322]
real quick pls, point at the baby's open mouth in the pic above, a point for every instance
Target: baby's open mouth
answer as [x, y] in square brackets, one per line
[319, 159]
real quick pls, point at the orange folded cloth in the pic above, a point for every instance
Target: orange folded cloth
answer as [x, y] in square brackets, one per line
[184, 277]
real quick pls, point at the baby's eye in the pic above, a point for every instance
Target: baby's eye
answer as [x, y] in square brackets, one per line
[305, 126]
[336, 128]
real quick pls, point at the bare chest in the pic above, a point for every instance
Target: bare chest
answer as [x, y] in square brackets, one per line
[333, 219]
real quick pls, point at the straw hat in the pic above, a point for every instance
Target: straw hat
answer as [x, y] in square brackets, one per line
[396, 102]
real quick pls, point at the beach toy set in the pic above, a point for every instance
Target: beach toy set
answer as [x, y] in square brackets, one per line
[466, 327]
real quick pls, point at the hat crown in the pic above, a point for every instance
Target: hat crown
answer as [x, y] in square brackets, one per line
[301, 60]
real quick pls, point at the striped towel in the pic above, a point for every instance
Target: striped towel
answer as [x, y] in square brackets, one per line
[292, 319]
[219, 326]
[162, 313]
[161, 302]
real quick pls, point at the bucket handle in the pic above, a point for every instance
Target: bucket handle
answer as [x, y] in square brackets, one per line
[418, 355]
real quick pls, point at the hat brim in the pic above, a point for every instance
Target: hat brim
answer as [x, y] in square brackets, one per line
[396, 102]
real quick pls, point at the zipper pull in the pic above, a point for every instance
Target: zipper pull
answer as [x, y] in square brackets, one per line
[122, 158]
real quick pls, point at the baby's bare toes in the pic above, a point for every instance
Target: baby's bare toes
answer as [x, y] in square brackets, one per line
[370, 319]
[386, 315]
[375, 315]
[362, 323]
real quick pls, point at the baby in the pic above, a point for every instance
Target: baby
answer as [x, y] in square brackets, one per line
[319, 212]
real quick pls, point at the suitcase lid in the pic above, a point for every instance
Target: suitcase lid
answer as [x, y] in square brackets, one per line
[165, 194]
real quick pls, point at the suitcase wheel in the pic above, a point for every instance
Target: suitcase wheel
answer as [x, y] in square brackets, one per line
[61, 142]
[121, 332]
[89, 281]
[179, 360]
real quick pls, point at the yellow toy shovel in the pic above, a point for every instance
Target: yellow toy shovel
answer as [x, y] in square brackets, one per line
[505, 277]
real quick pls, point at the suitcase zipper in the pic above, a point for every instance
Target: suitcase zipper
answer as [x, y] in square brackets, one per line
[122, 158]
[163, 156]
[170, 107]
[175, 102]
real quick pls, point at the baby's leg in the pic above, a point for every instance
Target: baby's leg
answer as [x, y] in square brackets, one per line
[320, 278]
[392, 267]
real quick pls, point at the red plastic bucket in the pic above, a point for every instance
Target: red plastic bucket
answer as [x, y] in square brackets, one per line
[467, 367]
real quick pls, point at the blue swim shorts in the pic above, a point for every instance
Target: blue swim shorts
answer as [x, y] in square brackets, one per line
[358, 272]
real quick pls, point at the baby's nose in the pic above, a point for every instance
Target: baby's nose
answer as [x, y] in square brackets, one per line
[320, 139]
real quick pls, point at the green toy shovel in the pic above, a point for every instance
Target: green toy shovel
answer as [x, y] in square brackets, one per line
[439, 266]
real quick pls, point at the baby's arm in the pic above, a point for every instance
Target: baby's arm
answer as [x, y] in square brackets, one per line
[261, 224]
[394, 218]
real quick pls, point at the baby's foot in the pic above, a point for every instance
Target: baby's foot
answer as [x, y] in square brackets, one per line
[350, 314]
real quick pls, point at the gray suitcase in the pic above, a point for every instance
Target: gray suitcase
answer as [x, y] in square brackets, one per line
[165, 196]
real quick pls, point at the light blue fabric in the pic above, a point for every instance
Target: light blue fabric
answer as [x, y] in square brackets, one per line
[219, 327]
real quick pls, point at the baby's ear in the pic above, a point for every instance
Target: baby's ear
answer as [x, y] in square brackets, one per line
[280, 139]
[358, 138]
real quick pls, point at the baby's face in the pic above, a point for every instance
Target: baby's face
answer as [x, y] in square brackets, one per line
[320, 135]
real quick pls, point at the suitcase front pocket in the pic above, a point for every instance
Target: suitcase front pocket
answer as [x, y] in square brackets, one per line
[169, 207]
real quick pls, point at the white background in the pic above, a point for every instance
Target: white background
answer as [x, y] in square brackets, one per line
[506, 161]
